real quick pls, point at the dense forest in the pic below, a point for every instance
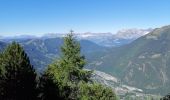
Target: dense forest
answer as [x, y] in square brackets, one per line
[64, 79]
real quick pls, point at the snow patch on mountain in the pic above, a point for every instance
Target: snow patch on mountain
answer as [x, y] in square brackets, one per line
[132, 33]
[122, 37]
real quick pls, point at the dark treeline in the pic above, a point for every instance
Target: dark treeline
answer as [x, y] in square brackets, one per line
[64, 79]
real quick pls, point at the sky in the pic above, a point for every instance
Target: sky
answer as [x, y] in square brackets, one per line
[37, 17]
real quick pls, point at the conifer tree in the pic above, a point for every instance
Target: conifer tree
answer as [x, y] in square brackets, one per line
[88, 91]
[66, 79]
[18, 78]
[68, 70]
[72, 61]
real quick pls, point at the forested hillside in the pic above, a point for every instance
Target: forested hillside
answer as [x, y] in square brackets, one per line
[144, 63]
[64, 79]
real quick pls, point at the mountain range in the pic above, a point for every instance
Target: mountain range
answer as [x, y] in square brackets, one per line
[144, 63]
[43, 51]
[122, 37]
[139, 58]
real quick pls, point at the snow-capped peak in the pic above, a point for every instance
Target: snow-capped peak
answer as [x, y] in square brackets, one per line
[132, 33]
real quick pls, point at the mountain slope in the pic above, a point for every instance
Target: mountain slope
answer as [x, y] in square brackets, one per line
[122, 37]
[44, 51]
[145, 63]
[2, 45]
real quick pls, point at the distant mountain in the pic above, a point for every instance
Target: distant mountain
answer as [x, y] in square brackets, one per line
[144, 63]
[103, 39]
[132, 33]
[53, 35]
[107, 39]
[43, 51]
[126, 62]
[17, 38]
[126, 36]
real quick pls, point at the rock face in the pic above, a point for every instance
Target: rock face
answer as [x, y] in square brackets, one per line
[144, 63]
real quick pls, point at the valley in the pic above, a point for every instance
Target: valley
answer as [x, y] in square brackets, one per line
[132, 59]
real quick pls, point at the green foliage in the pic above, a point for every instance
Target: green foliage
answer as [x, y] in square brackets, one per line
[18, 77]
[72, 61]
[88, 91]
[68, 71]
[49, 89]
[70, 80]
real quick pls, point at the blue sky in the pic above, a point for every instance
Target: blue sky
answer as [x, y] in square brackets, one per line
[36, 17]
